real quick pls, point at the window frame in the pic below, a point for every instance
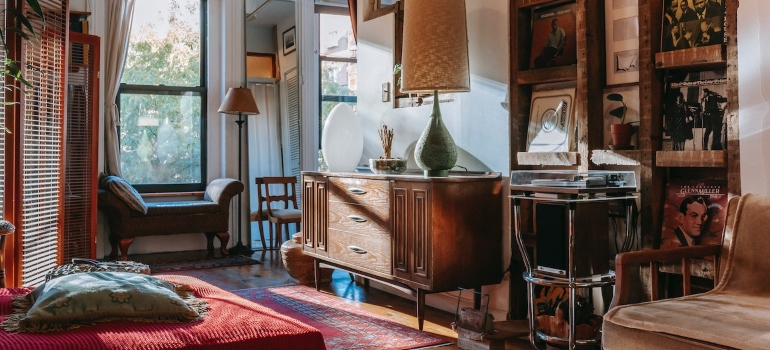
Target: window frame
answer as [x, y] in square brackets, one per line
[164, 90]
[334, 11]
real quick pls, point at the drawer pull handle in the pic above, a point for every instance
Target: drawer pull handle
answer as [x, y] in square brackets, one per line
[356, 190]
[356, 218]
[356, 250]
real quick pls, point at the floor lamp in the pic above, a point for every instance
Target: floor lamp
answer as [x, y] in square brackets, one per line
[239, 101]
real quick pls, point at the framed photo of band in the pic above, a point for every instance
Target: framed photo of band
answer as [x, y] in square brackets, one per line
[621, 21]
[692, 23]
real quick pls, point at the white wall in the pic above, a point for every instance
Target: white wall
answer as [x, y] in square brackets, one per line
[260, 40]
[754, 95]
[477, 121]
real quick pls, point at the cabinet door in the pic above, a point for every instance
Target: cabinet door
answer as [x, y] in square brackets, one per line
[412, 241]
[314, 214]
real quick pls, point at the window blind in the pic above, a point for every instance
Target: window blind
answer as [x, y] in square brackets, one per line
[42, 116]
[80, 175]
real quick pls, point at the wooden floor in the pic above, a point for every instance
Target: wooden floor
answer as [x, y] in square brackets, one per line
[272, 273]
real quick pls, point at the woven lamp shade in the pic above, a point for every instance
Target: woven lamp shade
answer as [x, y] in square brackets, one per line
[239, 100]
[435, 51]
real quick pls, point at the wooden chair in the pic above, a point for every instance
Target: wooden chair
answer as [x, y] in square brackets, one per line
[260, 214]
[289, 214]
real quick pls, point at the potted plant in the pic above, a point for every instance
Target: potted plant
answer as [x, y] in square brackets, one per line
[621, 132]
[386, 164]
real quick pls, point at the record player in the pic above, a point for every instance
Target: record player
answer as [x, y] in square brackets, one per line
[574, 182]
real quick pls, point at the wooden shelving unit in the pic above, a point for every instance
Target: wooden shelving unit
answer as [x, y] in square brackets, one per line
[608, 157]
[691, 159]
[549, 158]
[655, 166]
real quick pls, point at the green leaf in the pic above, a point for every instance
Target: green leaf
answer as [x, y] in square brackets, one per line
[19, 32]
[20, 16]
[5, 128]
[35, 5]
[618, 112]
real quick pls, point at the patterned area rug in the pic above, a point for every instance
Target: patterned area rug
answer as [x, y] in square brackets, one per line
[232, 260]
[343, 324]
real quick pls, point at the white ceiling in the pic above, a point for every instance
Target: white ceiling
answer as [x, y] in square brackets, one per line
[272, 13]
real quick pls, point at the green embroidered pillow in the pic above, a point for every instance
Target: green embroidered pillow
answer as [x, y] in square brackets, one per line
[84, 298]
[126, 192]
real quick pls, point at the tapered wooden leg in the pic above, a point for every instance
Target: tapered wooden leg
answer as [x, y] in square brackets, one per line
[210, 243]
[224, 237]
[114, 240]
[420, 307]
[124, 244]
[278, 236]
[317, 265]
[262, 235]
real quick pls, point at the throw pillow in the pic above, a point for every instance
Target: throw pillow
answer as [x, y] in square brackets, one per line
[84, 298]
[126, 192]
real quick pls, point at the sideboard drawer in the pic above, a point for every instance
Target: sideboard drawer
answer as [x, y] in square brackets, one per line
[359, 191]
[368, 251]
[358, 218]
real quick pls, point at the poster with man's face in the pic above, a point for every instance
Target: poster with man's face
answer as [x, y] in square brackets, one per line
[694, 212]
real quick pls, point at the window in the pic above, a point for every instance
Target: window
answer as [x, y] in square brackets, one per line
[339, 73]
[162, 98]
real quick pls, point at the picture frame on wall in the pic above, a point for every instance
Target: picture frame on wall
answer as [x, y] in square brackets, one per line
[621, 21]
[289, 40]
[692, 23]
[554, 37]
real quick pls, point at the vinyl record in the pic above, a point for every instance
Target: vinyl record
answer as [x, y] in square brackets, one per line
[550, 121]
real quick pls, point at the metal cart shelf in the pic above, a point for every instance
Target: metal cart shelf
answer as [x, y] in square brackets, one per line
[571, 196]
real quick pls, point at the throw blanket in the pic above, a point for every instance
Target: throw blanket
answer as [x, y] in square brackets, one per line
[231, 323]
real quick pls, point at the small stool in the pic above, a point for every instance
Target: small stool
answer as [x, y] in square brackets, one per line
[6, 228]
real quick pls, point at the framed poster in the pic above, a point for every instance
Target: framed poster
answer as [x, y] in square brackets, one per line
[551, 121]
[694, 212]
[289, 41]
[553, 37]
[694, 109]
[692, 23]
[621, 21]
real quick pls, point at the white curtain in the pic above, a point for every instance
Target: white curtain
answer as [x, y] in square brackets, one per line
[264, 134]
[117, 32]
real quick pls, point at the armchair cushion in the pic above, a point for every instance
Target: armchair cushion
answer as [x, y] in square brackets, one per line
[734, 315]
[125, 192]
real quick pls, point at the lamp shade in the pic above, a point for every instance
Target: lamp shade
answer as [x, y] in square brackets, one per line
[239, 100]
[435, 51]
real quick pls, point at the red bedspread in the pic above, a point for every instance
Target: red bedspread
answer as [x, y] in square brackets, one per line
[231, 323]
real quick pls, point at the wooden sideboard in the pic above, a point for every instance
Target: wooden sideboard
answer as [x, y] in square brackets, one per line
[423, 235]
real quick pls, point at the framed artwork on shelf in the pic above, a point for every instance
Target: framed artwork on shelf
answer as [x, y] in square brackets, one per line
[621, 21]
[289, 41]
[694, 110]
[553, 37]
[551, 121]
[692, 23]
[694, 212]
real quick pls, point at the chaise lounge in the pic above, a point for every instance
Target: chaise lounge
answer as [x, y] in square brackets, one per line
[130, 217]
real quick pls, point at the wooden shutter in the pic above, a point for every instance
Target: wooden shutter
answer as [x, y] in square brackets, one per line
[292, 98]
[82, 132]
[40, 141]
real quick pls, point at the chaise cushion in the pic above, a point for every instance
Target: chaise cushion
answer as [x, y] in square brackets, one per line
[182, 208]
[125, 192]
[83, 298]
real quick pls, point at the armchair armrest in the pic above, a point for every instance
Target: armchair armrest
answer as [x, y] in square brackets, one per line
[222, 190]
[626, 268]
[110, 202]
